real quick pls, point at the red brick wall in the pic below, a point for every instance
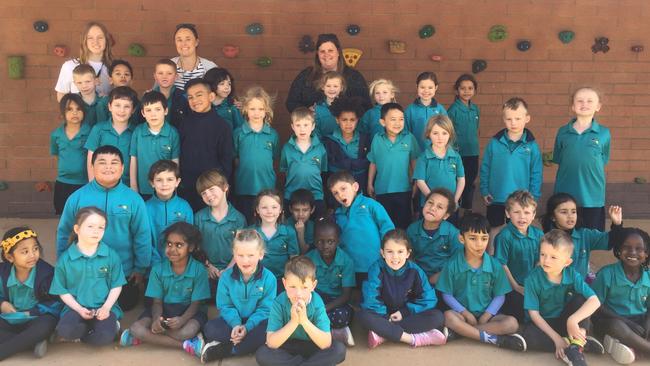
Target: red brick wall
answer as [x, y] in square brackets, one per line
[544, 76]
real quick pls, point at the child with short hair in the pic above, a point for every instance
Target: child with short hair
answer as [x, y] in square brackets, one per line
[85, 80]
[178, 286]
[256, 148]
[244, 299]
[89, 278]
[581, 152]
[28, 313]
[363, 222]
[164, 75]
[512, 161]
[121, 74]
[392, 159]
[517, 248]
[332, 84]
[425, 106]
[298, 329]
[474, 285]
[301, 207]
[335, 276]
[67, 144]
[382, 91]
[223, 86]
[398, 302]
[559, 303]
[304, 159]
[433, 238]
[206, 141]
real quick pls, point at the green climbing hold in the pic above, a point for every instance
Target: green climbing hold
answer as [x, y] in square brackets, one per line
[264, 61]
[255, 29]
[566, 36]
[136, 50]
[547, 158]
[498, 33]
[16, 66]
[427, 31]
[3, 185]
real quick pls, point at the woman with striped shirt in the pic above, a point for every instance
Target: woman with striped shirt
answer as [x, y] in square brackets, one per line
[188, 64]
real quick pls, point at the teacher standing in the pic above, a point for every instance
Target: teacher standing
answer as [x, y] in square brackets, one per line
[188, 64]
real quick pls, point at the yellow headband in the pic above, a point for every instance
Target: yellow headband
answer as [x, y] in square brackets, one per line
[9, 243]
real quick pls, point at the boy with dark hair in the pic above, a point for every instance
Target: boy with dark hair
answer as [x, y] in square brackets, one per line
[302, 206]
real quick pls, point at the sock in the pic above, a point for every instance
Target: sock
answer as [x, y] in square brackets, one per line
[488, 338]
[413, 341]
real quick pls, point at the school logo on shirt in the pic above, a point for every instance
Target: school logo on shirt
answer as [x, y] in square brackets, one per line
[123, 207]
[316, 159]
[103, 271]
[179, 214]
[595, 141]
[269, 145]
[167, 148]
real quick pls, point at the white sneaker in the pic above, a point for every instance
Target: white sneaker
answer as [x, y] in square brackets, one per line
[40, 349]
[619, 352]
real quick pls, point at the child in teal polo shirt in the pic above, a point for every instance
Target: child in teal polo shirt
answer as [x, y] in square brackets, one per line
[623, 289]
[382, 91]
[298, 329]
[86, 81]
[67, 144]
[559, 303]
[244, 299]
[301, 207]
[392, 159]
[581, 152]
[474, 285]
[424, 107]
[121, 74]
[223, 86]
[511, 161]
[152, 141]
[332, 84]
[517, 248]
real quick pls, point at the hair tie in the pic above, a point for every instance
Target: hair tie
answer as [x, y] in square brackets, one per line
[11, 241]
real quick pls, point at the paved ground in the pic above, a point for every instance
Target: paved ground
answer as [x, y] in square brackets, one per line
[462, 352]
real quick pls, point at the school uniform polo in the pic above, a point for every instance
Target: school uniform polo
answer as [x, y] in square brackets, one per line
[581, 160]
[333, 277]
[230, 113]
[584, 241]
[621, 295]
[309, 230]
[94, 112]
[466, 123]
[31, 296]
[148, 148]
[369, 122]
[393, 160]
[71, 154]
[303, 170]
[325, 120]
[473, 288]
[185, 288]
[438, 171]
[363, 224]
[103, 133]
[518, 251]
[88, 279]
[416, 117]
[218, 235]
[281, 314]
[177, 106]
[20, 294]
[432, 253]
[279, 248]
[239, 300]
[164, 213]
[549, 298]
[509, 166]
[256, 152]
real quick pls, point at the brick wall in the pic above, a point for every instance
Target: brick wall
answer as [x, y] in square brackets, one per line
[544, 76]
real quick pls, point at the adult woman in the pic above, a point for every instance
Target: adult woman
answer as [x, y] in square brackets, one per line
[188, 64]
[329, 57]
[95, 50]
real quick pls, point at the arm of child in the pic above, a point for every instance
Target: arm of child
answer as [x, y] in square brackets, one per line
[72, 303]
[423, 187]
[615, 214]
[104, 311]
[515, 286]
[156, 316]
[560, 343]
[492, 309]
[456, 306]
[322, 339]
[133, 174]
[7, 307]
[300, 235]
[89, 165]
[341, 300]
[264, 305]
[372, 171]
[484, 174]
[589, 307]
[427, 299]
[178, 321]
[433, 279]
[536, 171]
[460, 187]
[277, 338]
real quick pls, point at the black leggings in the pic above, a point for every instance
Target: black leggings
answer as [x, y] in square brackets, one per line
[296, 352]
[218, 330]
[514, 306]
[16, 338]
[414, 323]
[537, 340]
[470, 164]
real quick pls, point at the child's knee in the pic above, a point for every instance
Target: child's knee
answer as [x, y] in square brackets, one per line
[187, 331]
[138, 329]
[511, 324]
[451, 318]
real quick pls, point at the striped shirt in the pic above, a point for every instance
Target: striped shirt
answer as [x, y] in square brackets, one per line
[183, 76]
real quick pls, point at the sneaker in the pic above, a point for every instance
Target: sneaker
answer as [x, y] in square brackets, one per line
[450, 335]
[215, 350]
[594, 346]
[118, 326]
[573, 356]
[433, 337]
[374, 339]
[619, 352]
[343, 335]
[513, 341]
[194, 345]
[40, 349]
[127, 339]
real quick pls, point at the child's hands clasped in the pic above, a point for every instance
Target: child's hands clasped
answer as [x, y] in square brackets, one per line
[485, 317]
[102, 313]
[213, 272]
[237, 335]
[156, 326]
[396, 317]
[86, 313]
[301, 311]
[469, 318]
[560, 345]
[175, 322]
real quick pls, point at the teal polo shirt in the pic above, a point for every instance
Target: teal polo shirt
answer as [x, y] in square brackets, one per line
[416, 117]
[103, 133]
[230, 114]
[363, 224]
[438, 171]
[164, 213]
[325, 120]
[518, 251]
[333, 277]
[473, 288]
[71, 154]
[303, 170]
[549, 298]
[393, 161]
[279, 248]
[584, 241]
[309, 230]
[256, 152]
[148, 148]
[581, 160]
[94, 112]
[281, 314]
[621, 295]
[369, 123]
[432, 253]
[466, 123]
[218, 235]
[185, 288]
[88, 279]
[21, 294]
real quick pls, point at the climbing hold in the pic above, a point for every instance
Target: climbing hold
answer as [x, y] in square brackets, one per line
[478, 66]
[498, 33]
[263, 61]
[547, 158]
[637, 48]
[306, 44]
[136, 50]
[60, 50]
[436, 58]
[637, 180]
[566, 36]
[3, 185]
[351, 56]
[601, 44]
[397, 47]
[255, 29]
[43, 187]
[41, 26]
[16, 66]
[524, 45]
[230, 51]
[353, 29]
[427, 31]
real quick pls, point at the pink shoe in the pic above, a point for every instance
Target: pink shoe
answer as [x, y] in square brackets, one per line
[433, 337]
[374, 339]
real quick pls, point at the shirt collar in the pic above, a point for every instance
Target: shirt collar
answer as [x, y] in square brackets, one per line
[621, 279]
[190, 271]
[443, 229]
[595, 126]
[567, 279]
[13, 281]
[246, 128]
[236, 273]
[464, 266]
[515, 232]
[230, 216]
[73, 251]
[450, 153]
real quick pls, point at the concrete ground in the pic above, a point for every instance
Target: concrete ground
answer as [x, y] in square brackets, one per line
[461, 352]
